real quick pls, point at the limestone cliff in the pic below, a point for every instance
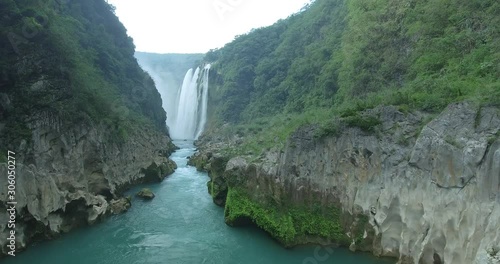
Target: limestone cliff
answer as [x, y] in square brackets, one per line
[419, 191]
[75, 175]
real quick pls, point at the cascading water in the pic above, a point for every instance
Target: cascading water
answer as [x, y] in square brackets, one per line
[185, 121]
[192, 106]
[204, 101]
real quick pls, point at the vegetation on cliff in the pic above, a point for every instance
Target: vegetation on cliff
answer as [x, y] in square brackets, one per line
[324, 67]
[81, 115]
[72, 60]
[291, 224]
[343, 56]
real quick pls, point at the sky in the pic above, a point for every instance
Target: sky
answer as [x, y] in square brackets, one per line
[196, 26]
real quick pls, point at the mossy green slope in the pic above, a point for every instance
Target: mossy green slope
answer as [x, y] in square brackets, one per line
[290, 224]
[72, 59]
[338, 56]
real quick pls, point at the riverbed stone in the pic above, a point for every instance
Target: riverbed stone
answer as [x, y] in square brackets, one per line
[121, 205]
[146, 194]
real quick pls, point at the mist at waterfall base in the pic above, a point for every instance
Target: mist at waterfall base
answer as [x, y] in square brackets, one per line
[166, 86]
[167, 71]
[186, 105]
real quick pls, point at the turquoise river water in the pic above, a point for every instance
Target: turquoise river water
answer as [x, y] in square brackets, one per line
[181, 225]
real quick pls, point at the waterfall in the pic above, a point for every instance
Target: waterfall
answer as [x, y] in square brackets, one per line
[204, 101]
[192, 101]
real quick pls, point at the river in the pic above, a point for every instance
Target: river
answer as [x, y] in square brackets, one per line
[181, 225]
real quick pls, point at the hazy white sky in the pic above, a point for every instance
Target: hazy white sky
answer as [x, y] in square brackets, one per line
[196, 26]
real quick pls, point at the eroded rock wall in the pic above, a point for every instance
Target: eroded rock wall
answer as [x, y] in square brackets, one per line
[74, 176]
[430, 192]
[435, 198]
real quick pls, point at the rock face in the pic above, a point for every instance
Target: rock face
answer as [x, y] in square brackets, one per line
[120, 205]
[427, 195]
[73, 175]
[146, 194]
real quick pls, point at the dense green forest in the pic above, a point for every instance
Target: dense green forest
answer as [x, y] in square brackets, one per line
[338, 57]
[53, 59]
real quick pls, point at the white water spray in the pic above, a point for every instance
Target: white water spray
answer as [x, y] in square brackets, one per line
[191, 114]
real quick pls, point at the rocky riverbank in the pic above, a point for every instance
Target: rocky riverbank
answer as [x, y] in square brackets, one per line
[77, 176]
[420, 188]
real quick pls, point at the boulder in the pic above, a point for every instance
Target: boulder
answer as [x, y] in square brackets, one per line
[120, 205]
[146, 194]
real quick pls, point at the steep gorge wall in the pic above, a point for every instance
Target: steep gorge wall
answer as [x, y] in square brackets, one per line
[430, 194]
[76, 176]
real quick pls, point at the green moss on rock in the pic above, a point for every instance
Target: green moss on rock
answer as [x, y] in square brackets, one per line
[217, 186]
[155, 173]
[290, 226]
[365, 123]
[240, 209]
[209, 187]
[361, 226]
[359, 231]
[199, 162]
[168, 167]
[218, 190]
